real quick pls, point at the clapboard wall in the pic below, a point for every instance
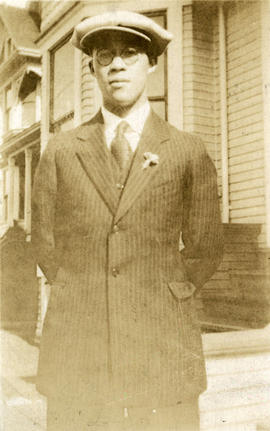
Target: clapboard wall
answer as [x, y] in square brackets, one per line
[201, 99]
[245, 115]
[87, 90]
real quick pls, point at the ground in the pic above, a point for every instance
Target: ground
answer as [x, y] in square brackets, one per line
[22, 407]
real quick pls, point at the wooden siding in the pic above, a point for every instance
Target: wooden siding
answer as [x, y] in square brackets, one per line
[201, 99]
[245, 118]
[88, 102]
[238, 294]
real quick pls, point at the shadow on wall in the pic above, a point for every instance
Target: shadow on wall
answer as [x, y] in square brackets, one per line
[18, 284]
[238, 295]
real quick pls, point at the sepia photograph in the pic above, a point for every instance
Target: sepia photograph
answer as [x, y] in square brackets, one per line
[135, 215]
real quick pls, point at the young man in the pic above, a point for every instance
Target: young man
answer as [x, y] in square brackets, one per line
[121, 346]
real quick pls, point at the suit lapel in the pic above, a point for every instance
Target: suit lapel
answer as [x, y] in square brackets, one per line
[94, 158]
[155, 132]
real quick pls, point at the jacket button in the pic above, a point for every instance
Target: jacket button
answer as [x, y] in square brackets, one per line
[120, 186]
[115, 228]
[115, 272]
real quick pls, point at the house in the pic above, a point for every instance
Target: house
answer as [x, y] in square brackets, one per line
[214, 80]
[20, 77]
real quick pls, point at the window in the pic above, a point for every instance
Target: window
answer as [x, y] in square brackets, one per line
[12, 110]
[157, 81]
[29, 95]
[29, 110]
[62, 86]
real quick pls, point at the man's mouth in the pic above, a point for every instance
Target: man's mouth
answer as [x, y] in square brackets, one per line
[118, 82]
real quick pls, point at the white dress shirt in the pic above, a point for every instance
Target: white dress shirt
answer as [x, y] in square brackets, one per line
[135, 119]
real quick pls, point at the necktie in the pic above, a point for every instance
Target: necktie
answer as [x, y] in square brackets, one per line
[120, 147]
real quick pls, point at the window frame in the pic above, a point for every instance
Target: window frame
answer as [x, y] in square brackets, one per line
[55, 124]
[153, 14]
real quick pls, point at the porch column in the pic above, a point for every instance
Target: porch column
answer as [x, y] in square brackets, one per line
[27, 192]
[11, 168]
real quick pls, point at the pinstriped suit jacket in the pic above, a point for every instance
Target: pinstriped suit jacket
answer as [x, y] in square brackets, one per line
[121, 323]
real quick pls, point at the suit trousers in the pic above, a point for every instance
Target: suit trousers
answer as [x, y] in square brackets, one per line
[70, 415]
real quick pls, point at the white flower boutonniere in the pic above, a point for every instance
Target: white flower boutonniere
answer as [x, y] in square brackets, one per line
[150, 160]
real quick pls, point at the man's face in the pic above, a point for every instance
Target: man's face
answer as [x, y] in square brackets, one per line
[123, 81]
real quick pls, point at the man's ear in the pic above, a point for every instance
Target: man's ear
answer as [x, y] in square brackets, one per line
[153, 64]
[91, 67]
[152, 69]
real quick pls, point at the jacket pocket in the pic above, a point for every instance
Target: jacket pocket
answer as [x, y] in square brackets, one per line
[183, 294]
[189, 330]
[192, 360]
[60, 278]
[181, 290]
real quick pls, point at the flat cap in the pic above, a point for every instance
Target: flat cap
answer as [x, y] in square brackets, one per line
[86, 31]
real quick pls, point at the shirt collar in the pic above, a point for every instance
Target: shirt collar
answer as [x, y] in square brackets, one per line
[135, 119]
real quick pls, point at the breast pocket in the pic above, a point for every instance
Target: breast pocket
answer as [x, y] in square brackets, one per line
[162, 183]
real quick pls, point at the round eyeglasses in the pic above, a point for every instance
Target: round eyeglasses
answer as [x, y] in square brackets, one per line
[105, 56]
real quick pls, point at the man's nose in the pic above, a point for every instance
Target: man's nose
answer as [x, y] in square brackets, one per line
[118, 62]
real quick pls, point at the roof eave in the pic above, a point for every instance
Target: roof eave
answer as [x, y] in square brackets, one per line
[17, 60]
[16, 140]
